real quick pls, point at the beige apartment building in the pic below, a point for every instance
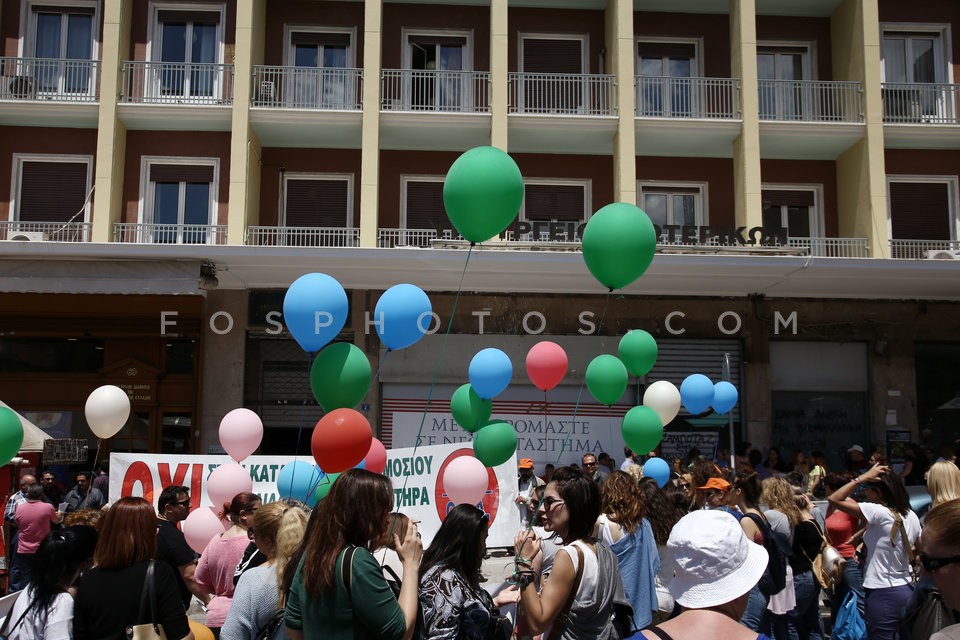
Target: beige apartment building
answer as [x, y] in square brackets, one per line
[168, 168]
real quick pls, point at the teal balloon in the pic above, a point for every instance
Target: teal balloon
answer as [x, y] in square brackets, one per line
[618, 244]
[638, 351]
[482, 193]
[11, 435]
[326, 483]
[494, 443]
[606, 378]
[642, 429]
[340, 376]
[469, 409]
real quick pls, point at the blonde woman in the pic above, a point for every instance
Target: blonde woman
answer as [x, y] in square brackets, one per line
[943, 482]
[780, 508]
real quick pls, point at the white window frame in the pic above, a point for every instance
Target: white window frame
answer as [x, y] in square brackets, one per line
[808, 50]
[584, 39]
[153, 25]
[701, 213]
[587, 185]
[28, 24]
[412, 177]
[466, 34]
[319, 177]
[817, 224]
[696, 67]
[943, 48]
[953, 199]
[290, 29]
[147, 194]
[16, 182]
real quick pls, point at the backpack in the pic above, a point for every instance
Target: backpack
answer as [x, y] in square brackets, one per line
[849, 624]
[774, 579]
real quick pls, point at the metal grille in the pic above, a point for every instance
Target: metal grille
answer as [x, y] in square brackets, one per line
[64, 451]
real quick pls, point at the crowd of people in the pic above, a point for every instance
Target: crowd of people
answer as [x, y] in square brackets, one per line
[604, 553]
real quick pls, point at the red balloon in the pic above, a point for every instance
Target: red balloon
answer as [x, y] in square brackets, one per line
[341, 440]
[376, 457]
[546, 365]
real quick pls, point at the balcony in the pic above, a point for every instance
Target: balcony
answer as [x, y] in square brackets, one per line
[832, 247]
[921, 116]
[49, 91]
[45, 231]
[413, 237]
[923, 249]
[809, 120]
[179, 96]
[303, 236]
[149, 233]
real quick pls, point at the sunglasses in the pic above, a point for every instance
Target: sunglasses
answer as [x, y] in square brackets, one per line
[549, 502]
[931, 565]
[184, 503]
[684, 485]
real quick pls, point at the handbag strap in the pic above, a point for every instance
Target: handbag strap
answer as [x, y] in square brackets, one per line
[148, 596]
[898, 524]
[561, 621]
[346, 569]
[660, 633]
[3, 629]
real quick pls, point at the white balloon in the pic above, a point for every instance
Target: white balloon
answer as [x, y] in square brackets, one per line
[107, 410]
[664, 398]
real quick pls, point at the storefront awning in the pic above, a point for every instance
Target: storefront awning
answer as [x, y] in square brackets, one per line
[156, 277]
[33, 436]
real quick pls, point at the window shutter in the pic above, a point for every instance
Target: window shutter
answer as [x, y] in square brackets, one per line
[788, 198]
[320, 38]
[317, 203]
[447, 41]
[670, 50]
[552, 56]
[920, 210]
[553, 202]
[181, 173]
[49, 8]
[52, 191]
[425, 208]
[202, 17]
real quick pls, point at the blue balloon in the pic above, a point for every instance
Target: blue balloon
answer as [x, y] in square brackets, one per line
[315, 310]
[490, 372]
[658, 469]
[725, 396]
[696, 393]
[297, 480]
[402, 316]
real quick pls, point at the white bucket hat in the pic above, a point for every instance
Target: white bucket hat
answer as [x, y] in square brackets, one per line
[716, 563]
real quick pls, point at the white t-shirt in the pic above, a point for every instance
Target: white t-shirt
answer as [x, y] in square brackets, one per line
[59, 622]
[888, 565]
[587, 593]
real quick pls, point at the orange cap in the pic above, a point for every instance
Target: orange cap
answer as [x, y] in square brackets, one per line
[716, 483]
[525, 463]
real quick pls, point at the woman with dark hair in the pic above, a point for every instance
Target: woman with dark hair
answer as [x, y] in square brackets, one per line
[453, 602]
[775, 462]
[219, 559]
[815, 486]
[109, 595]
[841, 527]
[892, 528]
[745, 495]
[583, 569]
[805, 621]
[337, 550]
[916, 466]
[624, 528]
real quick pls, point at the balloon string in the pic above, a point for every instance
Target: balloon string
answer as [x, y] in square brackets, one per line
[303, 408]
[383, 361]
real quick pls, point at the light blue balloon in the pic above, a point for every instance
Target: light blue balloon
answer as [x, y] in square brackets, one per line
[402, 316]
[315, 310]
[658, 469]
[490, 372]
[696, 393]
[297, 480]
[725, 397]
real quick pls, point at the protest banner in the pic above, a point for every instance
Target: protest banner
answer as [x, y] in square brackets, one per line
[676, 444]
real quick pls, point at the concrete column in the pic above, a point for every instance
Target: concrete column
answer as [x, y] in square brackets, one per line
[499, 73]
[111, 133]
[224, 343]
[620, 59]
[370, 145]
[746, 148]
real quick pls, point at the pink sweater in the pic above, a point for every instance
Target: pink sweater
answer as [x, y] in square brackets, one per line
[215, 571]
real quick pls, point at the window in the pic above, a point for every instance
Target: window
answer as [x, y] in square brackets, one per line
[313, 201]
[56, 36]
[542, 59]
[546, 202]
[914, 61]
[659, 64]
[437, 61]
[187, 43]
[796, 209]
[923, 208]
[321, 57]
[781, 70]
[422, 203]
[179, 197]
[51, 188]
[675, 203]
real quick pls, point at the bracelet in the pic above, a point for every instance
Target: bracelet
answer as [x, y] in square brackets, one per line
[856, 480]
[521, 560]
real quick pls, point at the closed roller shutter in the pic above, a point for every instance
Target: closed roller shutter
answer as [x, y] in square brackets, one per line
[52, 191]
[425, 208]
[920, 210]
[554, 202]
[541, 55]
[315, 202]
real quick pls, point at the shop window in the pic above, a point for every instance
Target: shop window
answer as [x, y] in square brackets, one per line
[320, 58]
[179, 201]
[795, 209]
[52, 188]
[134, 437]
[422, 204]
[554, 201]
[179, 356]
[679, 204]
[175, 437]
[50, 355]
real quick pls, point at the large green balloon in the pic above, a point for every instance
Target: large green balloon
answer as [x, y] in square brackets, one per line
[606, 378]
[482, 193]
[323, 489]
[11, 435]
[618, 244]
[638, 351]
[494, 443]
[340, 376]
[469, 409]
[642, 429]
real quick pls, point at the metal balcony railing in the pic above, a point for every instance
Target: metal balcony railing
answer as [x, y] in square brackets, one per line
[693, 98]
[49, 79]
[915, 103]
[832, 247]
[811, 101]
[177, 83]
[444, 91]
[45, 231]
[922, 249]
[303, 236]
[562, 94]
[333, 89]
[408, 237]
[148, 233]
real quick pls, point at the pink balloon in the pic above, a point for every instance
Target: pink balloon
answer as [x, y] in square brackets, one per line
[546, 365]
[377, 457]
[200, 527]
[226, 481]
[241, 431]
[465, 480]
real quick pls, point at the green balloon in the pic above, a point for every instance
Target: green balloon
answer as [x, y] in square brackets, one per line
[618, 244]
[340, 376]
[482, 193]
[494, 443]
[606, 378]
[323, 489]
[11, 435]
[638, 351]
[469, 409]
[642, 429]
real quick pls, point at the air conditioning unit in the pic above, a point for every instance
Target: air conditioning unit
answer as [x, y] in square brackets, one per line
[27, 236]
[943, 254]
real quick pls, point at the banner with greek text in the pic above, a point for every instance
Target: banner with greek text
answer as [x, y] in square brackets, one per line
[676, 444]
